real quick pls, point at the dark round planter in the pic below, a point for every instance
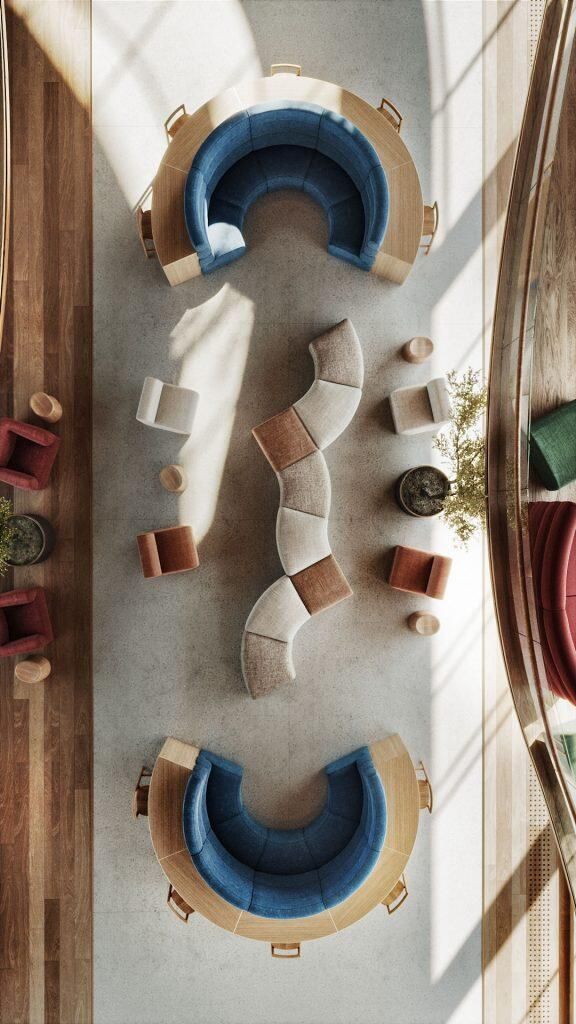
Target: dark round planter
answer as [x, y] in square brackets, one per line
[422, 491]
[33, 539]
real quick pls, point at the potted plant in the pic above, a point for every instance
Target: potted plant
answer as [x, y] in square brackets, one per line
[422, 491]
[427, 491]
[31, 539]
[6, 534]
[462, 448]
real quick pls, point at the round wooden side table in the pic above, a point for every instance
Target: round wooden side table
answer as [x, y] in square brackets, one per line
[33, 669]
[417, 350]
[423, 623]
[46, 407]
[173, 478]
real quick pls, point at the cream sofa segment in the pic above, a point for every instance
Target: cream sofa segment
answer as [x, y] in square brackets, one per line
[278, 613]
[301, 539]
[326, 410]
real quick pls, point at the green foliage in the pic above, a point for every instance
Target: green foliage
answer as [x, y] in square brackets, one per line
[462, 448]
[6, 533]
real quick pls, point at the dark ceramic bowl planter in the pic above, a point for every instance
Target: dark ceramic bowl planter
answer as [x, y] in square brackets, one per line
[422, 491]
[33, 539]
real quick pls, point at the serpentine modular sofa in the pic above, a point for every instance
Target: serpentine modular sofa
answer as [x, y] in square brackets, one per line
[293, 442]
[285, 873]
[552, 526]
[280, 145]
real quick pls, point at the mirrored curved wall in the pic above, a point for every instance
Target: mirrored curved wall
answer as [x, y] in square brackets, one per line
[4, 165]
[533, 373]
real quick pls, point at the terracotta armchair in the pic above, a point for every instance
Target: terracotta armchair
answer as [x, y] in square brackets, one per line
[24, 622]
[419, 572]
[164, 552]
[27, 454]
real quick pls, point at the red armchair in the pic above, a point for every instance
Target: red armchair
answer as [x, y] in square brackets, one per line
[24, 622]
[27, 454]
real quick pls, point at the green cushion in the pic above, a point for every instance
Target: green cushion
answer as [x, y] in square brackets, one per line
[569, 744]
[553, 447]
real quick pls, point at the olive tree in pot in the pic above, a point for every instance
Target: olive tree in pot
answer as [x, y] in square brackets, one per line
[25, 539]
[462, 448]
[459, 495]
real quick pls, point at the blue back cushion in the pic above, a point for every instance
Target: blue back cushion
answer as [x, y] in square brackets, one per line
[284, 123]
[285, 873]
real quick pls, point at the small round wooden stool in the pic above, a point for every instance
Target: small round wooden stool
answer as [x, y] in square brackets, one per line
[46, 407]
[173, 478]
[423, 623]
[33, 669]
[417, 350]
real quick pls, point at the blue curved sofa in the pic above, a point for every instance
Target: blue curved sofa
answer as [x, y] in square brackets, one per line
[282, 145]
[285, 873]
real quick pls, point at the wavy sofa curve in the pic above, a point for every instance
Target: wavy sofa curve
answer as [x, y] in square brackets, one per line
[285, 873]
[279, 145]
[292, 442]
[553, 549]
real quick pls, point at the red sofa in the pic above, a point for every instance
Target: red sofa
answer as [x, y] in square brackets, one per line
[27, 454]
[24, 622]
[552, 526]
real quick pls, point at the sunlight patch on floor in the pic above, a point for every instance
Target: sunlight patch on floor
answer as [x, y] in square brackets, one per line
[210, 345]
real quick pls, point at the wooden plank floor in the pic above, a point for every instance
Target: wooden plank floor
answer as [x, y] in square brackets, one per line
[46, 730]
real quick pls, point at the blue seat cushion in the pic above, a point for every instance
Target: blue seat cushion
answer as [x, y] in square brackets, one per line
[327, 182]
[327, 835]
[242, 183]
[346, 221]
[285, 166]
[286, 853]
[244, 837]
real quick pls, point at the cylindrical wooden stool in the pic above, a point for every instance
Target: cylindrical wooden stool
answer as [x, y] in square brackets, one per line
[423, 623]
[417, 350]
[173, 478]
[33, 669]
[46, 407]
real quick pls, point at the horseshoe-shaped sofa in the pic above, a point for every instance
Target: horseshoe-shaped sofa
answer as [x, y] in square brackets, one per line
[285, 873]
[279, 145]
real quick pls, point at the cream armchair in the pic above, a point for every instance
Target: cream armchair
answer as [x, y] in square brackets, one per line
[416, 410]
[167, 406]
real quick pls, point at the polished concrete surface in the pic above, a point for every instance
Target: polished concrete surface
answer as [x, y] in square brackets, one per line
[167, 652]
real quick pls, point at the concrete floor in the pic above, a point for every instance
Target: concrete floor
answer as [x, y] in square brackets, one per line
[167, 652]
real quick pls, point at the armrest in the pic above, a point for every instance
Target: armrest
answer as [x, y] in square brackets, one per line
[18, 597]
[32, 433]
[438, 578]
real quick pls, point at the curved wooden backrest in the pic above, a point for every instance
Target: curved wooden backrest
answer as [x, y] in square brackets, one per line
[169, 779]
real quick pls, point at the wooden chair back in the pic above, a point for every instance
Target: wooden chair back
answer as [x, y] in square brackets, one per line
[391, 113]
